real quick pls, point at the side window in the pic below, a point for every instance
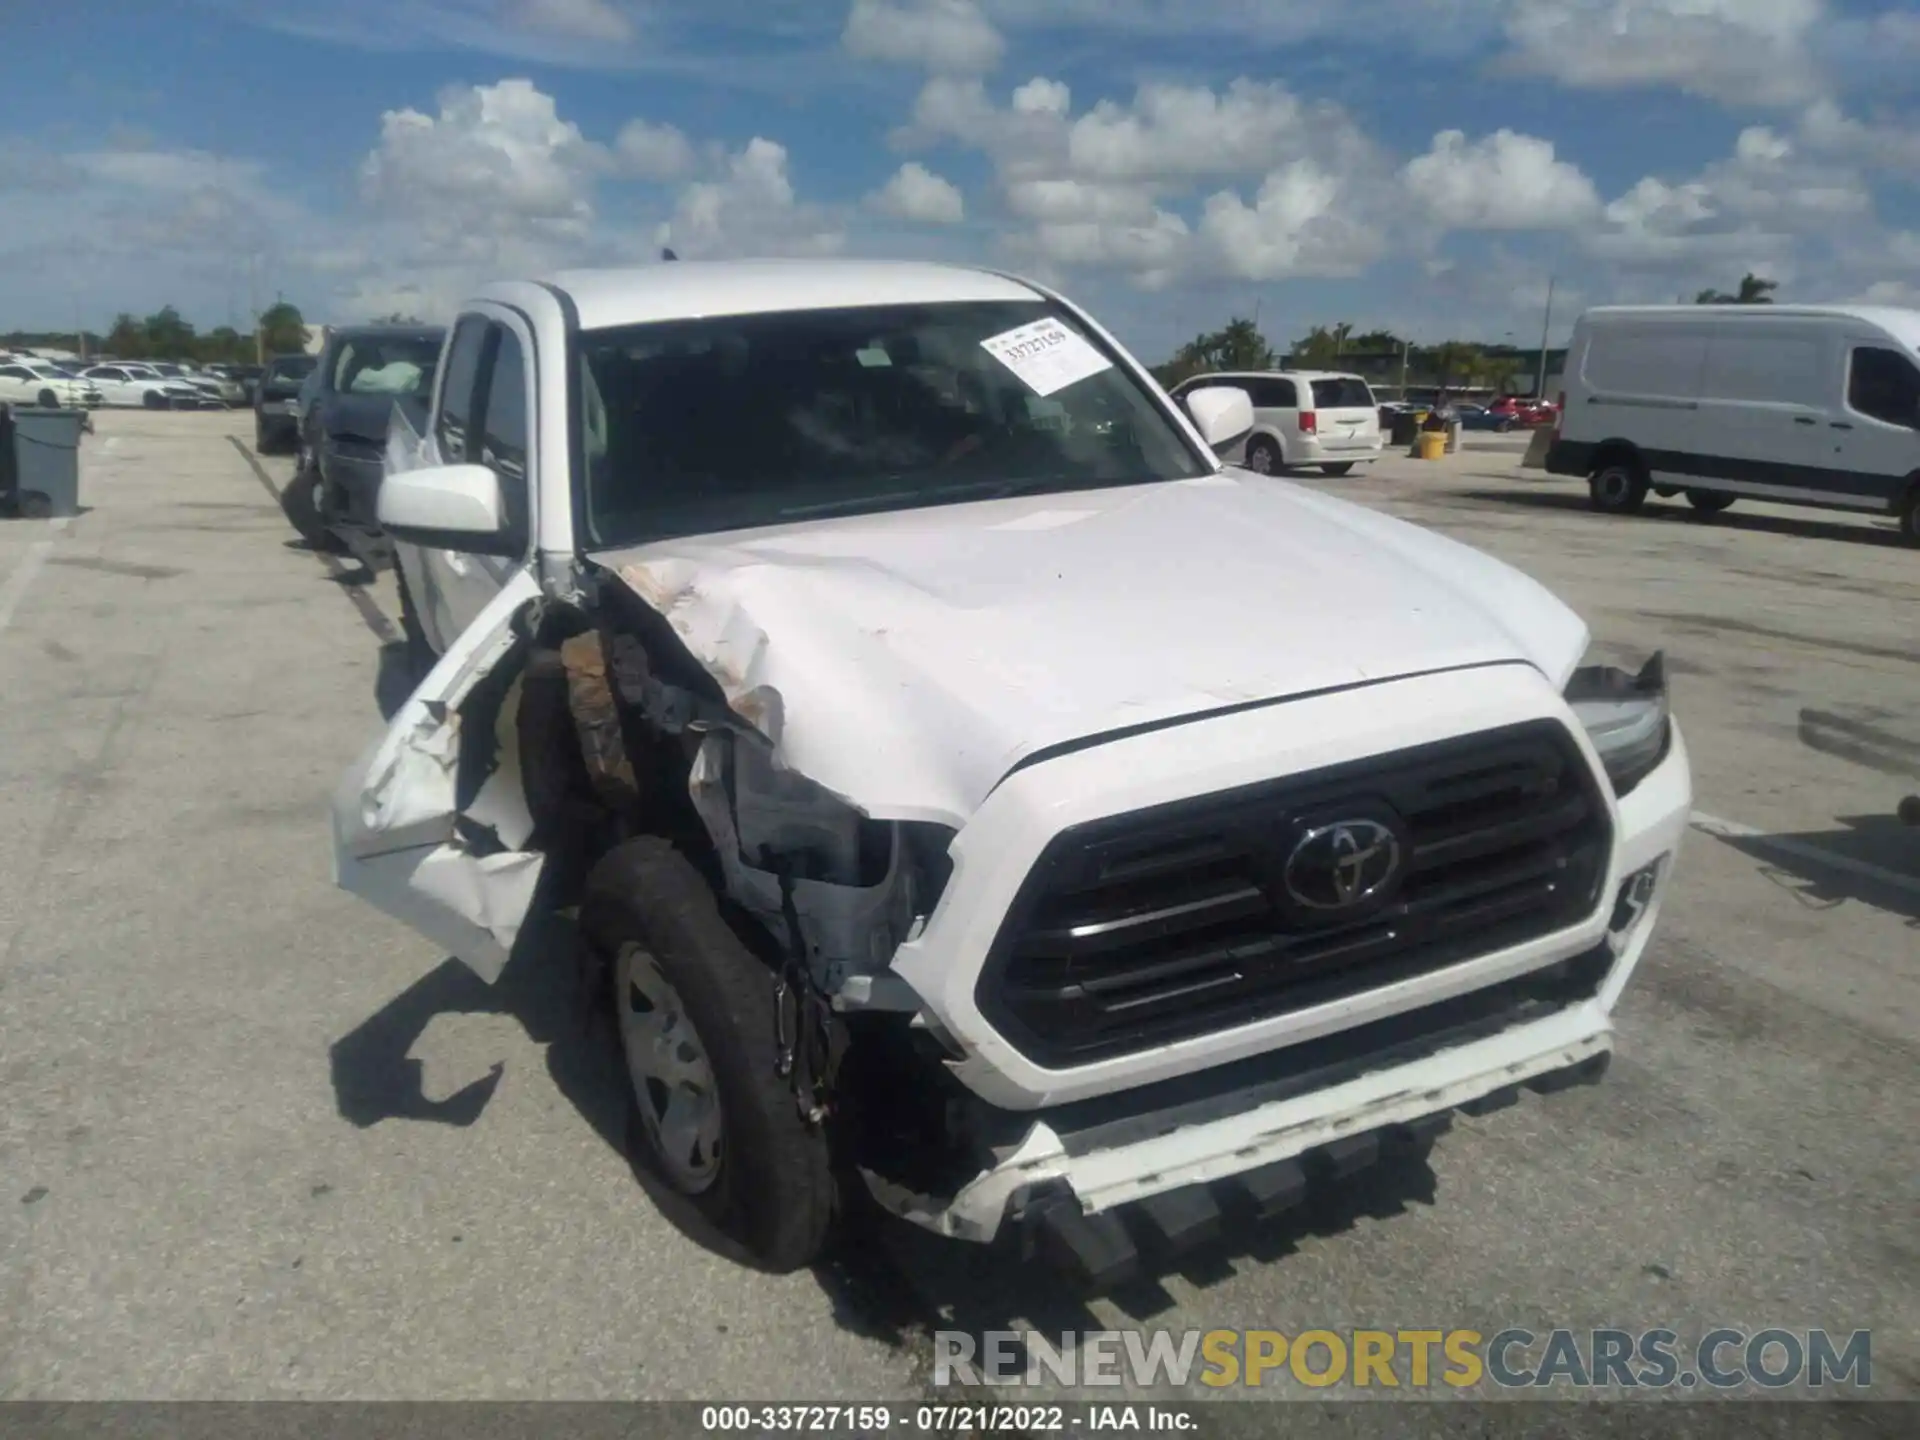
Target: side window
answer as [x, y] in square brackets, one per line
[1885, 385]
[1276, 395]
[453, 426]
[14, 372]
[503, 427]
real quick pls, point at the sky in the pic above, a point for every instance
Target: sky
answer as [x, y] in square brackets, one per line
[1427, 166]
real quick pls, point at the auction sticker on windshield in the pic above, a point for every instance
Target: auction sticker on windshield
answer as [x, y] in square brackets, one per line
[1046, 355]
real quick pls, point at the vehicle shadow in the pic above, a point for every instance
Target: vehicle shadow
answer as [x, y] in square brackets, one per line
[1872, 860]
[886, 1279]
[1876, 532]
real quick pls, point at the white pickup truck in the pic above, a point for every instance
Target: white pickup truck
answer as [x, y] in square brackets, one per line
[968, 791]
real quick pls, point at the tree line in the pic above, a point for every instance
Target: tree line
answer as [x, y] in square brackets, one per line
[1241, 346]
[166, 335]
[1450, 363]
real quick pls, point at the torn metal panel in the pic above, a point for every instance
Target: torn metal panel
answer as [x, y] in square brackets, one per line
[907, 661]
[596, 719]
[753, 811]
[399, 828]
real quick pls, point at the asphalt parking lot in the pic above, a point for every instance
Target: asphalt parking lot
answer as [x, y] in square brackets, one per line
[260, 1142]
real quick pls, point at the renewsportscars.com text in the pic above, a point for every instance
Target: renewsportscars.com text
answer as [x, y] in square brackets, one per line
[1514, 1358]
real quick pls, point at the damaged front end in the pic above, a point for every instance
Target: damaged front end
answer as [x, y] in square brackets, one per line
[550, 733]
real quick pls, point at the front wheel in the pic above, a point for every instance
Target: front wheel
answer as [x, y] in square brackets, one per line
[153, 400]
[301, 501]
[1618, 488]
[1337, 468]
[1708, 502]
[1910, 517]
[47, 400]
[1263, 456]
[709, 1114]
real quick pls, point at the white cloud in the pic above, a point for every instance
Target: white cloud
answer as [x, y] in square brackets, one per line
[749, 210]
[1041, 96]
[653, 152]
[1768, 208]
[1750, 52]
[949, 37]
[594, 20]
[493, 153]
[1295, 227]
[1174, 131]
[1890, 146]
[915, 193]
[1505, 181]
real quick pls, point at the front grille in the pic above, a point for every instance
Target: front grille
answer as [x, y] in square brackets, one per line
[1139, 929]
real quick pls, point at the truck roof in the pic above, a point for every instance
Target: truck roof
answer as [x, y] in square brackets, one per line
[690, 289]
[1896, 320]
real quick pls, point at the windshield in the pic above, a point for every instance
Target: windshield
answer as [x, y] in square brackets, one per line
[283, 377]
[388, 365]
[727, 424]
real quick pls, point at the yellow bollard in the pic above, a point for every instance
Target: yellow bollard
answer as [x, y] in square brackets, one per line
[1433, 444]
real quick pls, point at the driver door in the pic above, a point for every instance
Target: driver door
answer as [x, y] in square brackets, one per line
[484, 417]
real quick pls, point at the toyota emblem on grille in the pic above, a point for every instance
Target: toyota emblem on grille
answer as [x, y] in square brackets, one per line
[1342, 865]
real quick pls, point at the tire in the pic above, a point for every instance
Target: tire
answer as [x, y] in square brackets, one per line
[262, 443]
[1709, 502]
[33, 505]
[1910, 516]
[47, 400]
[764, 1177]
[1263, 456]
[1337, 468]
[300, 500]
[421, 656]
[1504, 427]
[1618, 487]
[153, 400]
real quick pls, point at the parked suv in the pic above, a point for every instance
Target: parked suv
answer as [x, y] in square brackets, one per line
[1304, 418]
[276, 413]
[963, 790]
[345, 404]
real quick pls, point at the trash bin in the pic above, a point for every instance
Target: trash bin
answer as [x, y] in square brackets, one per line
[44, 456]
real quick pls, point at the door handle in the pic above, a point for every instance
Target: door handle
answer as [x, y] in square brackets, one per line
[1803, 420]
[1840, 424]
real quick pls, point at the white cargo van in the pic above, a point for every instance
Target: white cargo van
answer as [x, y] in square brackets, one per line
[1799, 405]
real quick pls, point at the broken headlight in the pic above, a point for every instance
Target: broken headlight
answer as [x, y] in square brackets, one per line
[1626, 716]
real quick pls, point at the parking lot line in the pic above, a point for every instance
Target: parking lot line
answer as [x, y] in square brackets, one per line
[22, 577]
[364, 604]
[1734, 830]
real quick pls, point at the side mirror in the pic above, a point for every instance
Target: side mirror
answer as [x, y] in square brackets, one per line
[1222, 413]
[446, 507]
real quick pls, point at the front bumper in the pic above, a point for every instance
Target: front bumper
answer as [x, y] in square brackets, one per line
[991, 857]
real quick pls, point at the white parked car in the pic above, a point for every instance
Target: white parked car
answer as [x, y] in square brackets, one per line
[215, 387]
[1303, 418]
[35, 382]
[968, 789]
[124, 384]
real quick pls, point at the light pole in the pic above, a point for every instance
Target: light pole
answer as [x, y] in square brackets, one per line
[1546, 325]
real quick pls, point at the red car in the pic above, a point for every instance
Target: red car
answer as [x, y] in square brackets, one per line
[1523, 410]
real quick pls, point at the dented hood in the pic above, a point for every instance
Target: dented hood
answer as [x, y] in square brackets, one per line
[907, 661]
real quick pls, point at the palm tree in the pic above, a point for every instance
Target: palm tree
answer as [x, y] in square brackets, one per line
[1753, 291]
